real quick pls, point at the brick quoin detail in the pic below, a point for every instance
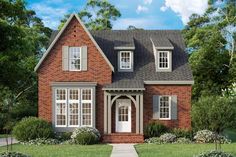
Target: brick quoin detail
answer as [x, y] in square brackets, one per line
[51, 71]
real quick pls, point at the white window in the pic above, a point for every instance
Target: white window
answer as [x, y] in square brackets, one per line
[75, 58]
[165, 106]
[77, 103]
[86, 107]
[73, 107]
[61, 102]
[163, 59]
[125, 60]
[123, 113]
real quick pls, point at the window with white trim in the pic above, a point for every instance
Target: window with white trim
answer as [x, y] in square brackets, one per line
[77, 102]
[86, 107]
[75, 58]
[163, 59]
[123, 113]
[164, 105]
[73, 107]
[61, 101]
[125, 60]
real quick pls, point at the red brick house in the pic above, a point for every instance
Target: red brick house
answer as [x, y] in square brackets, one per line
[114, 80]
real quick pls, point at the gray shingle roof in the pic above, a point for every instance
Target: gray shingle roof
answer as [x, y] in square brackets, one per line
[144, 62]
[126, 84]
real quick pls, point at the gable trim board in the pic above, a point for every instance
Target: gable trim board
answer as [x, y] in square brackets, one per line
[58, 36]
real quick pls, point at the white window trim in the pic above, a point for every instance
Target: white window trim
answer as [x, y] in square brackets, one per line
[78, 101]
[60, 101]
[158, 60]
[169, 107]
[86, 101]
[129, 62]
[70, 69]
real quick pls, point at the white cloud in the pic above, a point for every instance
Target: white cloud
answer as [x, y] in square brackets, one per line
[185, 8]
[141, 8]
[147, 1]
[50, 16]
[137, 22]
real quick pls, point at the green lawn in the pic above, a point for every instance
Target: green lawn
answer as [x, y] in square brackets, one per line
[63, 150]
[179, 150]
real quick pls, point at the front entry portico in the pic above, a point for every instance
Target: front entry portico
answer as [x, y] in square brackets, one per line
[122, 100]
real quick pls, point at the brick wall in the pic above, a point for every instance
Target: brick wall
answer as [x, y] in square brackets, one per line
[51, 71]
[183, 93]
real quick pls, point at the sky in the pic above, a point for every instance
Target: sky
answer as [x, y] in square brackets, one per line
[146, 14]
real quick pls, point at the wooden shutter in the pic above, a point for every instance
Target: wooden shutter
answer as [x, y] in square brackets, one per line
[156, 109]
[174, 107]
[65, 58]
[84, 58]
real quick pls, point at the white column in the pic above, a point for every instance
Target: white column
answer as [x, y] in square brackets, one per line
[109, 113]
[137, 114]
[105, 112]
[141, 114]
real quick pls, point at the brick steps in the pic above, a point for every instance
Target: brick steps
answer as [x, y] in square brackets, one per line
[123, 138]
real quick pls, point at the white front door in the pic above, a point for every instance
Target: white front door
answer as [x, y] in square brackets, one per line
[123, 115]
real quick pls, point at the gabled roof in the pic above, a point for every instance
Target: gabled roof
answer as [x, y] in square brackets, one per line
[56, 35]
[144, 61]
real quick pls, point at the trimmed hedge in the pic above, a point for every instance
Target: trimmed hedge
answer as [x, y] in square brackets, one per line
[154, 129]
[214, 153]
[32, 128]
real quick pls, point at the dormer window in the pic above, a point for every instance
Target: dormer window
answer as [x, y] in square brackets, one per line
[163, 59]
[75, 58]
[125, 60]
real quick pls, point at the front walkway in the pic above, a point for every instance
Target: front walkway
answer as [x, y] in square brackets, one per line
[4, 143]
[123, 150]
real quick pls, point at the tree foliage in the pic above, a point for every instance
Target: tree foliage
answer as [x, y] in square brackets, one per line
[214, 113]
[23, 39]
[210, 39]
[97, 15]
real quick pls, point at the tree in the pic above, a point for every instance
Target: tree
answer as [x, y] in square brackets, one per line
[23, 40]
[97, 15]
[214, 113]
[210, 39]
[131, 27]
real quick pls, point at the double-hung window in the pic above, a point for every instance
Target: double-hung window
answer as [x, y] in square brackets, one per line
[73, 107]
[163, 59]
[125, 60]
[165, 106]
[86, 107]
[75, 58]
[61, 107]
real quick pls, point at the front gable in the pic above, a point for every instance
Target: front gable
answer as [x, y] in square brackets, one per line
[74, 32]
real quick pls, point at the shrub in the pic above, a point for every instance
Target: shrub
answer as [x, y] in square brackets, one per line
[214, 154]
[204, 136]
[183, 140]
[63, 136]
[182, 133]
[167, 138]
[32, 128]
[13, 154]
[41, 141]
[154, 129]
[85, 135]
[154, 140]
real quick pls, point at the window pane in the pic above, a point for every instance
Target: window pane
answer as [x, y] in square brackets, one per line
[75, 62]
[73, 107]
[86, 114]
[87, 94]
[164, 107]
[61, 113]
[123, 113]
[61, 94]
[163, 59]
[125, 60]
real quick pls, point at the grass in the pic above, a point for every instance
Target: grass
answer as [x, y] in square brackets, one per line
[63, 150]
[179, 150]
[231, 134]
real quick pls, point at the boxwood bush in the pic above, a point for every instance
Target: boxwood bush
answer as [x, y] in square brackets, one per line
[85, 136]
[154, 129]
[13, 154]
[214, 153]
[32, 128]
[168, 138]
